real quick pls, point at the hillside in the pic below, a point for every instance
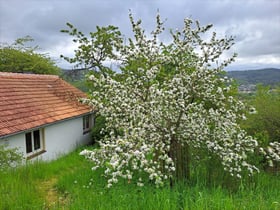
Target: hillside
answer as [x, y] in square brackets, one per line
[267, 76]
[246, 79]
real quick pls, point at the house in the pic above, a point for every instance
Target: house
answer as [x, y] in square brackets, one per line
[42, 116]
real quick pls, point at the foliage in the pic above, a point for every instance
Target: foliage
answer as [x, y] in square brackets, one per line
[264, 123]
[169, 109]
[9, 157]
[19, 58]
[267, 116]
[98, 128]
[93, 51]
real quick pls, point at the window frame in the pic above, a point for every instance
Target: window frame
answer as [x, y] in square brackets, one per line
[87, 123]
[34, 143]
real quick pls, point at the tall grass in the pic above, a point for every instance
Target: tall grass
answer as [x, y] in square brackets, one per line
[78, 187]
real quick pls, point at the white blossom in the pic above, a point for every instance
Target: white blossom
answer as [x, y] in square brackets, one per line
[190, 103]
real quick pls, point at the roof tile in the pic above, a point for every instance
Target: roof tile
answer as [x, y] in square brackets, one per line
[31, 100]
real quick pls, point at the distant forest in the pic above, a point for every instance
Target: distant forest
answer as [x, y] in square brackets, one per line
[245, 78]
[267, 76]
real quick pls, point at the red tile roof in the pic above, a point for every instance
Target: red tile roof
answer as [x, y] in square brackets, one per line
[31, 100]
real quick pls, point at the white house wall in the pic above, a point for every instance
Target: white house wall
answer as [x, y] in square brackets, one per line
[64, 137]
[59, 138]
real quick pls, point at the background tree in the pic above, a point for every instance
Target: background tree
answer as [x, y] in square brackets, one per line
[19, 58]
[94, 51]
[169, 109]
[265, 118]
[264, 121]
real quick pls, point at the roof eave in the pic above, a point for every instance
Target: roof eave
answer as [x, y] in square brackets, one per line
[44, 125]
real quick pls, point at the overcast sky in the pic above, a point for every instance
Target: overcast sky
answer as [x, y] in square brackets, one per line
[255, 24]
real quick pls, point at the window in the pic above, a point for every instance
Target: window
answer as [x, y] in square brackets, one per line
[37, 142]
[28, 140]
[86, 123]
[34, 142]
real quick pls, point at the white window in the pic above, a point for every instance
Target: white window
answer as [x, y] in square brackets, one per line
[34, 142]
[87, 123]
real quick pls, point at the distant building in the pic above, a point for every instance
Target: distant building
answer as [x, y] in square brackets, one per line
[42, 116]
[249, 88]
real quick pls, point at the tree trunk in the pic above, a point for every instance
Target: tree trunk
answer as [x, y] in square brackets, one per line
[180, 154]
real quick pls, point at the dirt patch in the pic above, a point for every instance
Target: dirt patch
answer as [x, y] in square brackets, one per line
[53, 199]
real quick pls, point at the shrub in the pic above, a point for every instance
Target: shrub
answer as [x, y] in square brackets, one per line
[264, 123]
[9, 157]
[97, 130]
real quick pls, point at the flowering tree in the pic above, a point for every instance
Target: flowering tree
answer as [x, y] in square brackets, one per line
[168, 108]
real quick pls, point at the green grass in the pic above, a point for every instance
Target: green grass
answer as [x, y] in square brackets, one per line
[69, 183]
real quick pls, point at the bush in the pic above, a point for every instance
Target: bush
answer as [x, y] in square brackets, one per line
[264, 122]
[9, 157]
[99, 126]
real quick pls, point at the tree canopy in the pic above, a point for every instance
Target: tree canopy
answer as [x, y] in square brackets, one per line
[20, 58]
[170, 109]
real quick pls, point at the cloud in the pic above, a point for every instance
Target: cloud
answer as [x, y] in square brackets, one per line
[254, 23]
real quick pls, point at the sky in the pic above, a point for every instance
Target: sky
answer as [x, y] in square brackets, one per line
[255, 24]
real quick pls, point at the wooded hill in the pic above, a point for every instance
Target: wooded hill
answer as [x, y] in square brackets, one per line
[246, 79]
[267, 76]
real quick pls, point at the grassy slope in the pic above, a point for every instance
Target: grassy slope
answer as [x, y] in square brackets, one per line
[69, 183]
